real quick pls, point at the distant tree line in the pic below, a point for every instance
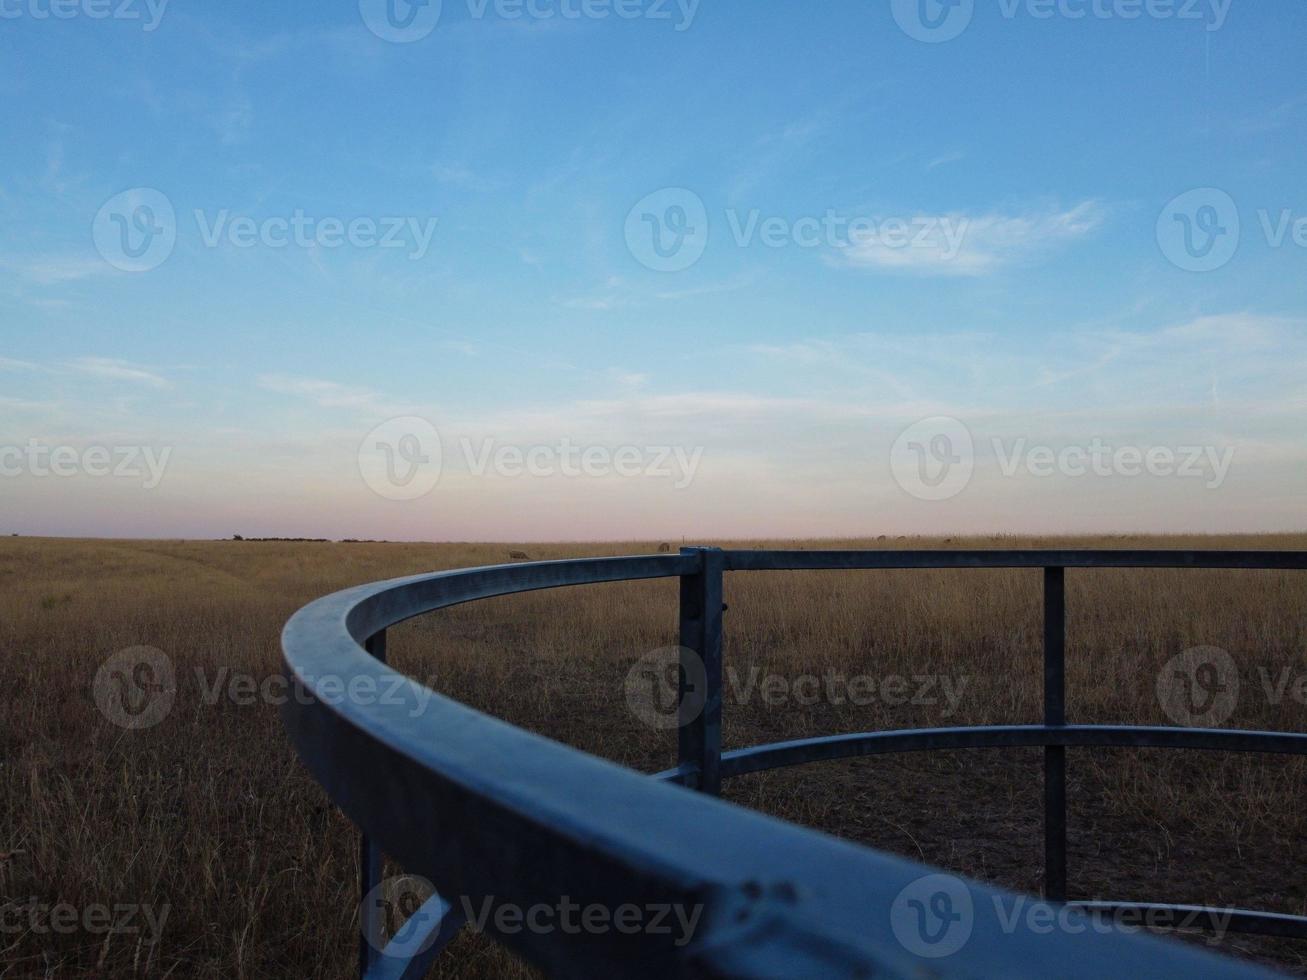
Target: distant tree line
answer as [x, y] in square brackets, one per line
[238, 537]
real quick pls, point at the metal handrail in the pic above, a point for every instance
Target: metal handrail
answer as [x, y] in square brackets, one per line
[489, 811]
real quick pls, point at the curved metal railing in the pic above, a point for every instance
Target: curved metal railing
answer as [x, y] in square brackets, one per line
[505, 819]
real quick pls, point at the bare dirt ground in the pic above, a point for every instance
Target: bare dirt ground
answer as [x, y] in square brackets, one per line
[208, 818]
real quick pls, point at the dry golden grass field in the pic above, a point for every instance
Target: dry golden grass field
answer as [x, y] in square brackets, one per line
[208, 817]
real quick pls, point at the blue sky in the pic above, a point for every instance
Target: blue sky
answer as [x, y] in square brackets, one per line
[504, 155]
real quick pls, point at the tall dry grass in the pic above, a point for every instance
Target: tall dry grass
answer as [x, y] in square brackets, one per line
[209, 813]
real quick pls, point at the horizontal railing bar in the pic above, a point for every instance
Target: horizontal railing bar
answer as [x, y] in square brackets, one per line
[756, 561]
[1210, 918]
[368, 609]
[486, 810]
[826, 748]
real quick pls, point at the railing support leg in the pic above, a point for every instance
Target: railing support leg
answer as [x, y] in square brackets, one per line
[699, 738]
[1055, 715]
[369, 859]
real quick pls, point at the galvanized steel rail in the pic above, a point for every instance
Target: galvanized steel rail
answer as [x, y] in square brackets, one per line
[488, 811]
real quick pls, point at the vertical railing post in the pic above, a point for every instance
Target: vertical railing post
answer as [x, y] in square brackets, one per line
[1055, 716]
[369, 860]
[699, 735]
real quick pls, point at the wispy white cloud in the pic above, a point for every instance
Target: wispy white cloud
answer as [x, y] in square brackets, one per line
[1282, 115]
[328, 394]
[458, 175]
[772, 153]
[597, 304]
[1229, 362]
[614, 293]
[709, 288]
[638, 412]
[234, 121]
[331, 394]
[1239, 331]
[629, 379]
[839, 360]
[25, 405]
[960, 244]
[112, 369]
[945, 158]
[53, 270]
